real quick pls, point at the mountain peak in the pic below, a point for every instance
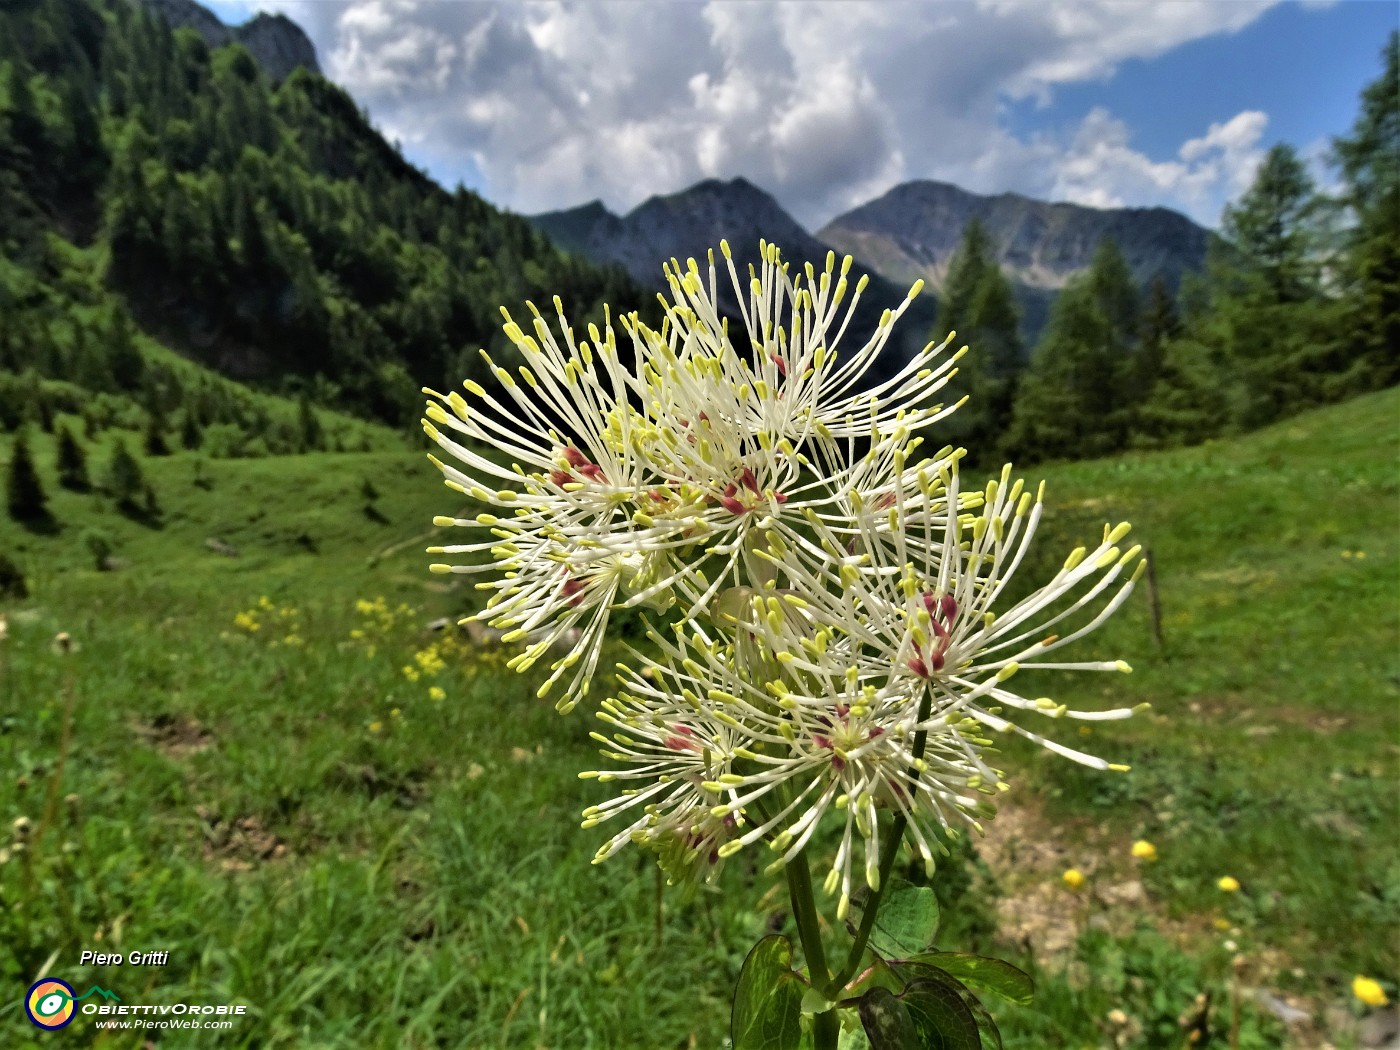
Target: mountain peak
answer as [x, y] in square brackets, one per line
[913, 230]
[274, 40]
[679, 225]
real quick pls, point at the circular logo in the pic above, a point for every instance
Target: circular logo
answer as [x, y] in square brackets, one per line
[49, 1003]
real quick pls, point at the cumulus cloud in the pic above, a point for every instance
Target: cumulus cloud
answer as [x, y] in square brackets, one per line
[1101, 169]
[547, 105]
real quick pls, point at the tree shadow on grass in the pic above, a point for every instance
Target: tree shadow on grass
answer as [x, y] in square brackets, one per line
[44, 524]
[147, 515]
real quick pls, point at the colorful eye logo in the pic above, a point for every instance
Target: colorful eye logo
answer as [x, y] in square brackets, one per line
[49, 1003]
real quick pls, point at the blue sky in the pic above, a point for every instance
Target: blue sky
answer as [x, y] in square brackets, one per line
[1303, 66]
[542, 106]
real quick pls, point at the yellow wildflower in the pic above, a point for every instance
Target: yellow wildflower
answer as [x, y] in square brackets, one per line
[1073, 878]
[410, 672]
[437, 692]
[1368, 991]
[394, 713]
[376, 727]
[429, 662]
[1144, 851]
[1229, 884]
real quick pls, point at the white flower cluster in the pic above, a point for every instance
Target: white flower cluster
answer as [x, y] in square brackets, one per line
[833, 642]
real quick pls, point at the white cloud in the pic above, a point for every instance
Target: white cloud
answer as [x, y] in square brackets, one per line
[1100, 168]
[823, 104]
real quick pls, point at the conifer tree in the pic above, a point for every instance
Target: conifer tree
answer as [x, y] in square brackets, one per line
[153, 439]
[24, 493]
[1270, 227]
[966, 270]
[1077, 397]
[72, 461]
[308, 426]
[1281, 334]
[1370, 167]
[125, 482]
[12, 581]
[1160, 324]
[978, 304]
[191, 436]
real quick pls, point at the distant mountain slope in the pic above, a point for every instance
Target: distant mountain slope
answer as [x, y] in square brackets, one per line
[689, 223]
[275, 41]
[914, 229]
[680, 225]
[258, 225]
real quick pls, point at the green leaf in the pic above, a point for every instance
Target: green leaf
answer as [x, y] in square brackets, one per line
[853, 1039]
[941, 1017]
[767, 1012]
[906, 923]
[986, 1024]
[877, 975]
[988, 975]
[887, 1023]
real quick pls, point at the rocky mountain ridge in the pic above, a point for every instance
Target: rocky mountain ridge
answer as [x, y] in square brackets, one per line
[908, 234]
[690, 223]
[277, 43]
[913, 230]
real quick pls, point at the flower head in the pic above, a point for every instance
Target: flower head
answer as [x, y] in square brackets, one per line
[1073, 878]
[843, 637]
[874, 687]
[1144, 851]
[1369, 991]
[1228, 884]
[639, 484]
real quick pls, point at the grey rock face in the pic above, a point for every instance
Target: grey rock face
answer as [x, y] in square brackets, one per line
[275, 41]
[914, 229]
[278, 44]
[681, 225]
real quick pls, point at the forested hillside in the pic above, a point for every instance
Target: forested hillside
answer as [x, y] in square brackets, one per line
[265, 229]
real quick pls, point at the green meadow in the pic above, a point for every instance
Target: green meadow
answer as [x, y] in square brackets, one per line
[257, 756]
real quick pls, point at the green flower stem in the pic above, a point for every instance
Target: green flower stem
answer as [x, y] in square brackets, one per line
[826, 1028]
[887, 856]
[872, 906]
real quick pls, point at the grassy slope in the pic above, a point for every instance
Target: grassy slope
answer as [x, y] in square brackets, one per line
[250, 800]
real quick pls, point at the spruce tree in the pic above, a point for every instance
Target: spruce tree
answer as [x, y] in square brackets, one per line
[1282, 335]
[1160, 324]
[308, 426]
[1370, 167]
[1077, 397]
[123, 356]
[966, 270]
[12, 581]
[153, 439]
[191, 436]
[1271, 228]
[125, 482]
[24, 493]
[979, 305]
[72, 461]
[996, 355]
